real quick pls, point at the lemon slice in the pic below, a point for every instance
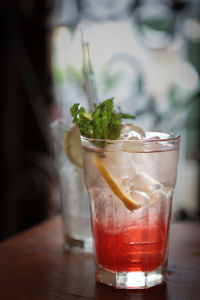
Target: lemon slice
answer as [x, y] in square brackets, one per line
[72, 146]
[129, 203]
[127, 129]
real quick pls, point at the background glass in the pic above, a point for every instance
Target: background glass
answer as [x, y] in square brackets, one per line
[74, 197]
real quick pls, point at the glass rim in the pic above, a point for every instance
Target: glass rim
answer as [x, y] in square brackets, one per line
[171, 137]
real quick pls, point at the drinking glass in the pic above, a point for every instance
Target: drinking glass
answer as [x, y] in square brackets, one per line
[130, 184]
[74, 197]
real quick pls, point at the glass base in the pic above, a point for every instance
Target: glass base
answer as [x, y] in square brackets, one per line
[78, 246]
[131, 280]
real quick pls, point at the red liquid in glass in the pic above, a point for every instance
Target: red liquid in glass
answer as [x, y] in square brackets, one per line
[136, 248]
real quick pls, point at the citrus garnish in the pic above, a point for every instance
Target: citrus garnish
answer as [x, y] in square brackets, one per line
[72, 146]
[130, 130]
[114, 186]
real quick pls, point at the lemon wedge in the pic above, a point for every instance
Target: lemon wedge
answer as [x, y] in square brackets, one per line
[72, 146]
[129, 203]
[127, 129]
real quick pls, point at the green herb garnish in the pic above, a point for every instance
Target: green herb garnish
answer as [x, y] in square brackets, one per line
[102, 123]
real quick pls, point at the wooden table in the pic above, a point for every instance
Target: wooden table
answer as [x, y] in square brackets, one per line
[33, 265]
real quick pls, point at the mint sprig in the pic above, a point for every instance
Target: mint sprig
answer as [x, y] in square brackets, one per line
[102, 123]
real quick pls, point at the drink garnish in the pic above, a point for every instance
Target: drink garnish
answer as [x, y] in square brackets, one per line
[114, 186]
[102, 123]
[72, 146]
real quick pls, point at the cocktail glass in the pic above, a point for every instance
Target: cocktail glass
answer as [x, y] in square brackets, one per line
[74, 197]
[130, 184]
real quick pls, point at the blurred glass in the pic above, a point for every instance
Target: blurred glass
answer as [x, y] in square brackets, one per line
[74, 197]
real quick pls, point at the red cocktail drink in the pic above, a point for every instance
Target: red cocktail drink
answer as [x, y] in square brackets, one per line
[130, 184]
[133, 248]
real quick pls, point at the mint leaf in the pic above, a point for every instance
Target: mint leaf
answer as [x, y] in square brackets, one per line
[126, 116]
[101, 118]
[74, 111]
[112, 132]
[102, 123]
[81, 118]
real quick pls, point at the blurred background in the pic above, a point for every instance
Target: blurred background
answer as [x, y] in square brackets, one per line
[145, 54]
